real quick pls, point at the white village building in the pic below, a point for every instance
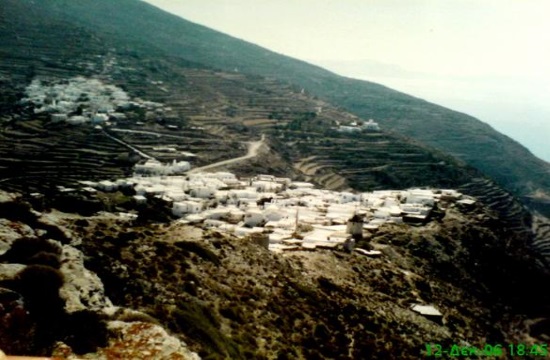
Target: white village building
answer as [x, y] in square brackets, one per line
[321, 217]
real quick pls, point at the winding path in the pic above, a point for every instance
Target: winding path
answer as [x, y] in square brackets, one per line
[253, 148]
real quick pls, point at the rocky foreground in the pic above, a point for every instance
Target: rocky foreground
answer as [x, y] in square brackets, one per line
[107, 287]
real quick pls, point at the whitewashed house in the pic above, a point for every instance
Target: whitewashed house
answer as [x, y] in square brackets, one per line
[59, 117]
[346, 197]
[253, 218]
[182, 208]
[383, 214]
[151, 166]
[217, 214]
[107, 185]
[265, 186]
[155, 189]
[370, 125]
[179, 167]
[140, 199]
[99, 118]
[77, 120]
[203, 192]
[212, 223]
[348, 129]
[117, 116]
[249, 194]
[301, 185]
[283, 181]
[273, 213]
[235, 215]
[419, 196]
[263, 177]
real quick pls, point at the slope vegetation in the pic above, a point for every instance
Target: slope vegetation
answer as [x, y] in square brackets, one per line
[213, 112]
[145, 27]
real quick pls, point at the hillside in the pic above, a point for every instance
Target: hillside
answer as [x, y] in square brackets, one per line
[214, 112]
[92, 91]
[147, 28]
[110, 287]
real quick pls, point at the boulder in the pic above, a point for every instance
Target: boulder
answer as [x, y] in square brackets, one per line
[11, 231]
[83, 289]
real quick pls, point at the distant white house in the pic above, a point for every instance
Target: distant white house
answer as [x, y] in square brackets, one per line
[77, 120]
[301, 185]
[203, 192]
[59, 117]
[348, 129]
[370, 125]
[99, 118]
[154, 167]
[107, 185]
[243, 194]
[150, 167]
[179, 167]
[264, 185]
[140, 199]
[346, 197]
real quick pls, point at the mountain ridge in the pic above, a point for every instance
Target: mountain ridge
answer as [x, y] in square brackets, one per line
[517, 170]
[222, 296]
[76, 26]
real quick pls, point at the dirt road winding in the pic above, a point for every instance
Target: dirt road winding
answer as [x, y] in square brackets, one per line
[253, 148]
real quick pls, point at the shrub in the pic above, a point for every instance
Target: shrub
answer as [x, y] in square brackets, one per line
[85, 331]
[201, 251]
[234, 313]
[136, 316]
[40, 286]
[46, 259]
[17, 210]
[23, 249]
[200, 323]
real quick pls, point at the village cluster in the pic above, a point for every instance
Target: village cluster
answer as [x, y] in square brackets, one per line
[291, 214]
[356, 126]
[81, 100]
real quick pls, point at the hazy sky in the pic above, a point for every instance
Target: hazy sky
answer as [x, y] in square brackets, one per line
[487, 58]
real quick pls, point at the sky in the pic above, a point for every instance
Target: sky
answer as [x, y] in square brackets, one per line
[487, 58]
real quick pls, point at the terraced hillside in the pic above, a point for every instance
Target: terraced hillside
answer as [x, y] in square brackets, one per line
[210, 113]
[143, 26]
[372, 161]
[35, 157]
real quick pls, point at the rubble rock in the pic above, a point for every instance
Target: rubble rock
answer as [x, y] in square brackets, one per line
[8, 271]
[83, 289]
[50, 222]
[137, 340]
[11, 231]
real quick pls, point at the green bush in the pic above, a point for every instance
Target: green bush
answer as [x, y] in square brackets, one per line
[199, 322]
[23, 249]
[199, 250]
[40, 286]
[46, 259]
[85, 331]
